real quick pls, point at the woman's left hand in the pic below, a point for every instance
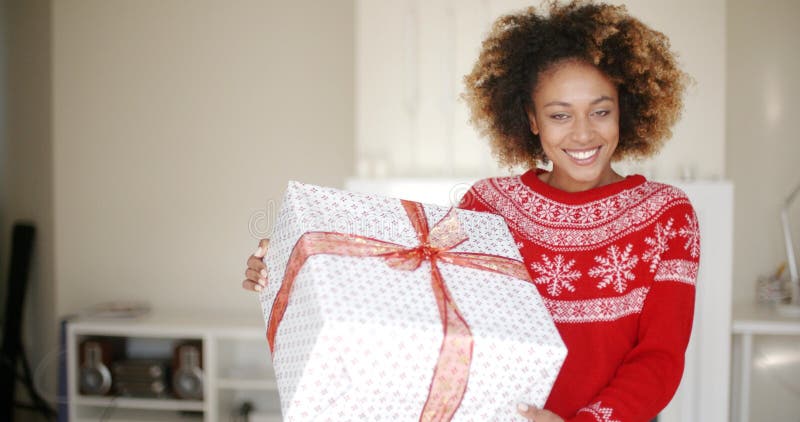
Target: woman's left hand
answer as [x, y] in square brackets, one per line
[537, 415]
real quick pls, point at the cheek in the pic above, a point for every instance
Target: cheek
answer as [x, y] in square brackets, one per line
[551, 134]
[548, 139]
[610, 130]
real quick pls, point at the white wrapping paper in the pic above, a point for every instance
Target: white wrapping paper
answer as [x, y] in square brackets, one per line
[359, 340]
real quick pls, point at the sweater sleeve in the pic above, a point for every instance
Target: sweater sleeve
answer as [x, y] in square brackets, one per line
[470, 202]
[466, 202]
[650, 373]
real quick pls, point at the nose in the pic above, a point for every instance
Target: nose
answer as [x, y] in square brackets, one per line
[583, 131]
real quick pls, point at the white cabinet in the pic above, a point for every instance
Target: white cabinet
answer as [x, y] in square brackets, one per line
[411, 56]
[703, 392]
[235, 360]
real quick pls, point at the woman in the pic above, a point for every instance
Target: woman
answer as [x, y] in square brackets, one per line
[615, 258]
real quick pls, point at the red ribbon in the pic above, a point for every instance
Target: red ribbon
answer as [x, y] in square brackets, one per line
[451, 373]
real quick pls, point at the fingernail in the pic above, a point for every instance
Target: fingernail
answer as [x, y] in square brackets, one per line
[264, 273]
[262, 281]
[522, 407]
[257, 288]
[259, 251]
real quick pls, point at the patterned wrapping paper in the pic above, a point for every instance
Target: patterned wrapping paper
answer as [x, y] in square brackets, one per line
[359, 340]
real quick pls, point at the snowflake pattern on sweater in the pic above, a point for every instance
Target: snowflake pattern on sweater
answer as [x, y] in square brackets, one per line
[616, 267]
[659, 244]
[602, 414]
[691, 232]
[556, 274]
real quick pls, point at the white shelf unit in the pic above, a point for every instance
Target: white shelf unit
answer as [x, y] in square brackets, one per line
[751, 321]
[235, 359]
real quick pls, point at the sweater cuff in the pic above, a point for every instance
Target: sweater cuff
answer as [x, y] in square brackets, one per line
[583, 417]
[594, 413]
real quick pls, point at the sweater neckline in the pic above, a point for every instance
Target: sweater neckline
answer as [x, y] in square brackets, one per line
[532, 181]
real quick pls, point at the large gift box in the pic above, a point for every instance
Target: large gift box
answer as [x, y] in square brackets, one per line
[384, 309]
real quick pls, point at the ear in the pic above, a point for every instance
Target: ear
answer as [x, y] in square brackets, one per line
[532, 120]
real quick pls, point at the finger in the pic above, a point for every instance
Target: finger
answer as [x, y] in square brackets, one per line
[255, 263]
[528, 411]
[263, 244]
[255, 277]
[249, 285]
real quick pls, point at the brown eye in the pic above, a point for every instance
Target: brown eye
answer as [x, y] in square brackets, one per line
[559, 116]
[602, 113]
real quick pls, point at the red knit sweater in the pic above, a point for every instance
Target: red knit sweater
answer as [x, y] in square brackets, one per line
[616, 266]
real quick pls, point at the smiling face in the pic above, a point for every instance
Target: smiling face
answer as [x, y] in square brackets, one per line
[576, 115]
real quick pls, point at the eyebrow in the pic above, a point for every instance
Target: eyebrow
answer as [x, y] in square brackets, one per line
[564, 104]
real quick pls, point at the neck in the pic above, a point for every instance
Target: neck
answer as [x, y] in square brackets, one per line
[566, 183]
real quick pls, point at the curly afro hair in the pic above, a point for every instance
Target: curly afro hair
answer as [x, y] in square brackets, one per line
[521, 46]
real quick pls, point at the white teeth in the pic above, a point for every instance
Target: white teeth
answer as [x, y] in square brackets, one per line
[582, 155]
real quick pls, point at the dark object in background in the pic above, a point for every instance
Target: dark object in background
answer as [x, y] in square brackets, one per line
[12, 355]
[63, 411]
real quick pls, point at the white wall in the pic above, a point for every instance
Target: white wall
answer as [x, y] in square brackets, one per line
[763, 158]
[174, 123]
[696, 30]
[412, 55]
[763, 142]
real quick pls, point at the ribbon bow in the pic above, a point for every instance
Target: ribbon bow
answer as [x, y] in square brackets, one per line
[451, 373]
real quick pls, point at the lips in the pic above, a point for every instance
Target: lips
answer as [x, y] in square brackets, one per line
[584, 156]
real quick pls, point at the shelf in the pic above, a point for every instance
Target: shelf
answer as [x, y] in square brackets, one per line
[137, 403]
[174, 325]
[235, 361]
[247, 384]
[751, 318]
[262, 417]
[138, 415]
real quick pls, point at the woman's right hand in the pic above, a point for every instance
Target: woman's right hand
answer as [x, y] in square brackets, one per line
[256, 272]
